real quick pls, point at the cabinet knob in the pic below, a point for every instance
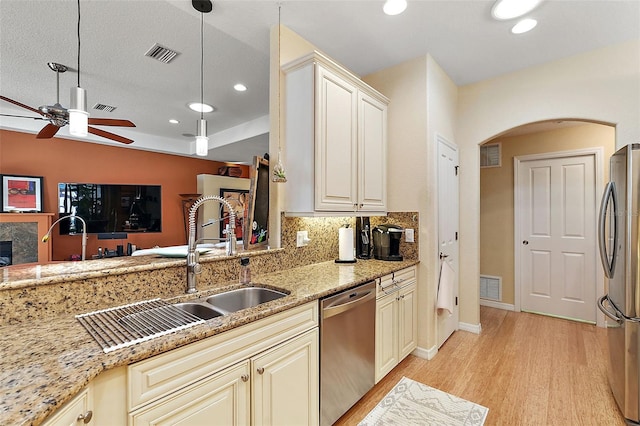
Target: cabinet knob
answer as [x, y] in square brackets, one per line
[245, 377]
[86, 417]
[260, 370]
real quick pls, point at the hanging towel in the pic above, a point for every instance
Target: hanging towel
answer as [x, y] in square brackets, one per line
[445, 288]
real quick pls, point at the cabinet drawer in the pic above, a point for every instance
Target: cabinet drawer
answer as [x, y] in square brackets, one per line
[155, 377]
[391, 282]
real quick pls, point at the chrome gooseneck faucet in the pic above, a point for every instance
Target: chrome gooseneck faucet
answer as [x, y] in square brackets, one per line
[193, 256]
[46, 236]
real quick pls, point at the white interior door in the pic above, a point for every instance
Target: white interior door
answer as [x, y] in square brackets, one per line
[448, 212]
[557, 248]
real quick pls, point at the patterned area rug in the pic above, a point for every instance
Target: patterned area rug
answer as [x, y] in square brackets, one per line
[413, 403]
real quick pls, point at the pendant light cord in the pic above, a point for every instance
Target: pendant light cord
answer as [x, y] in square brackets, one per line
[201, 64]
[78, 43]
[279, 81]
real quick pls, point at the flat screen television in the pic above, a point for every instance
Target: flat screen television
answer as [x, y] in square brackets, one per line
[110, 208]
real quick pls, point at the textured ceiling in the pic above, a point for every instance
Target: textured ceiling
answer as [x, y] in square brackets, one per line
[460, 35]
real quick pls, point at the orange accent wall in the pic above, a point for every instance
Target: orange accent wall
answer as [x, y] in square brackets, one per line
[63, 160]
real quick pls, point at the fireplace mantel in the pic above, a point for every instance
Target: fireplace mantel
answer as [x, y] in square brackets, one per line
[43, 221]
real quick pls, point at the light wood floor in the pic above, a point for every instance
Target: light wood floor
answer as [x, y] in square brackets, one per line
[527, 369]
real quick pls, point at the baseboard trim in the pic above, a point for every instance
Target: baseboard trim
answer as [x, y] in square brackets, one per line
[497, 305]
[423, 353]
[472, 328]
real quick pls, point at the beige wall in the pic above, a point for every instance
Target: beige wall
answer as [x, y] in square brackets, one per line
[496, 192]
[601, 85]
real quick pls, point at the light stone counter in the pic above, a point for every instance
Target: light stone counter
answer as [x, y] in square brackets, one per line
[45, 361]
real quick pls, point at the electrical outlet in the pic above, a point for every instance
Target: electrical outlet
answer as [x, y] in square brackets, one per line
[302, 238]
[408, 235]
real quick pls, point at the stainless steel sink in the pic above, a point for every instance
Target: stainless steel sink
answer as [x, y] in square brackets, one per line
[242, 298]
[199, 309]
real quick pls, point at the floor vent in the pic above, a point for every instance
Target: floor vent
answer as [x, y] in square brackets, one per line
[491, 288]
[161, 53]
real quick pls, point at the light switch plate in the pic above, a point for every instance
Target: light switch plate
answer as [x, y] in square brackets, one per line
[408, 235]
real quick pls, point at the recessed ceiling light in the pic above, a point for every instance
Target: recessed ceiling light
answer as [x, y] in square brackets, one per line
[509, 9]
[394, 7]
[174, 121]
[524, 25]
[198, 107]
[240, 87]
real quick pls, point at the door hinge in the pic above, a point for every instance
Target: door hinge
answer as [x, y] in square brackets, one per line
[456, 235]
[456, 167]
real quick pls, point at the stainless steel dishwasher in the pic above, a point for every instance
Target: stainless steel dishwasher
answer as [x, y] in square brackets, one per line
[347, 350]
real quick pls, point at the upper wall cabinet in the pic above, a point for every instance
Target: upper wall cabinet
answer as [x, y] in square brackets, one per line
[336, 141]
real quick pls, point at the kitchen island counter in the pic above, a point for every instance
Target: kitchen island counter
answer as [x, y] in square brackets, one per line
[44, 363]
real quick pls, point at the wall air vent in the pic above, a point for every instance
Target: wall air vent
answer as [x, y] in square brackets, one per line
[161, 53]
[490, 155]
[491, 288]
[103, 107]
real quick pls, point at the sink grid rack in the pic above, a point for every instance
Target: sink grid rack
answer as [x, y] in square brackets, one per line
[127, 325]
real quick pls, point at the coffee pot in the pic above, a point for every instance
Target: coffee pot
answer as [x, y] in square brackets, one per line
[386, 242]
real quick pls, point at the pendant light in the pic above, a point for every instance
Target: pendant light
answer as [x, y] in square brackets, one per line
[78, 115]
[279, 174]
[202, 141]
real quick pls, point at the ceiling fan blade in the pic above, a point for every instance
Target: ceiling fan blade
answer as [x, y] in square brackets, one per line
[109, 135]
[11, 101]
[23, 116]
[48, 131]
[110, 122]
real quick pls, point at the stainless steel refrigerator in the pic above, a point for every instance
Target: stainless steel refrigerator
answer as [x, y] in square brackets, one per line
[619, 240]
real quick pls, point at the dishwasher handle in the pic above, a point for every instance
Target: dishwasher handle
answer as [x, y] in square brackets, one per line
[348, 300]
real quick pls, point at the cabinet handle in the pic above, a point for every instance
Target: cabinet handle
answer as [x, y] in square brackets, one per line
[86, 417]
[260, 370]
[245, 377]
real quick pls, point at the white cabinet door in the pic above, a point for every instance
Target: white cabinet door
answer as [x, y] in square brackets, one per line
[336, 144]
[386, 335]
[372, 147]
[74, 412]
[285, 383]
[407, 320]
[222, 399]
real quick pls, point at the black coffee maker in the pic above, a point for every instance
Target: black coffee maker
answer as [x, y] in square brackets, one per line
[386, 242]
[363, 238]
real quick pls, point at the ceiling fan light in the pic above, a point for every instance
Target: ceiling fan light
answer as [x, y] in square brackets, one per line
[78, 115]
[202, 141]
[394, 7]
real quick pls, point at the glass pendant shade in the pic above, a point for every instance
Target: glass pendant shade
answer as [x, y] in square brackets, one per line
[78, 115]
[202, 141]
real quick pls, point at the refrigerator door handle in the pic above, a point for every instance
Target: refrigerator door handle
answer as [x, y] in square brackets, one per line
[607, 312]
[608, 196]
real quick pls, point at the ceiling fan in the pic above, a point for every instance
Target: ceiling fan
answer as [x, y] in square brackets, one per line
[58, 116]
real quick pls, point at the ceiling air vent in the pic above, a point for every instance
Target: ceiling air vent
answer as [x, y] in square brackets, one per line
[490, 155]
[103, 107]
[161, 53]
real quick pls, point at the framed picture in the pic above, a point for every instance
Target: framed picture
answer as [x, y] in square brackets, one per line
[238, 200]
[21, 194]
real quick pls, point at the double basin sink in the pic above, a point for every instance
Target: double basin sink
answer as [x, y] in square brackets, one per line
[230, 301]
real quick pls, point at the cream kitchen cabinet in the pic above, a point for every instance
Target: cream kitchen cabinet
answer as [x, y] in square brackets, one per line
[76, 412]
[396, 319]
[264, 372]
[335, 140]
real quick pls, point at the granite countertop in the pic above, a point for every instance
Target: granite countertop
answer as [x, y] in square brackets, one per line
[45, 364]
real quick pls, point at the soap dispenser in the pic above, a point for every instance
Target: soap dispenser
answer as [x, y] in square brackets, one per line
[245, 271]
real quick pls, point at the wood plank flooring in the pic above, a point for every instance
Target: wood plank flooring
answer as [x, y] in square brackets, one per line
[527, 369]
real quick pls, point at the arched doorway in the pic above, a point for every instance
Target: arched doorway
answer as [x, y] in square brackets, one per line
[500, 257]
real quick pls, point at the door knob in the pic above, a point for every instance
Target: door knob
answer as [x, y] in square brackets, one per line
[525, 242]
